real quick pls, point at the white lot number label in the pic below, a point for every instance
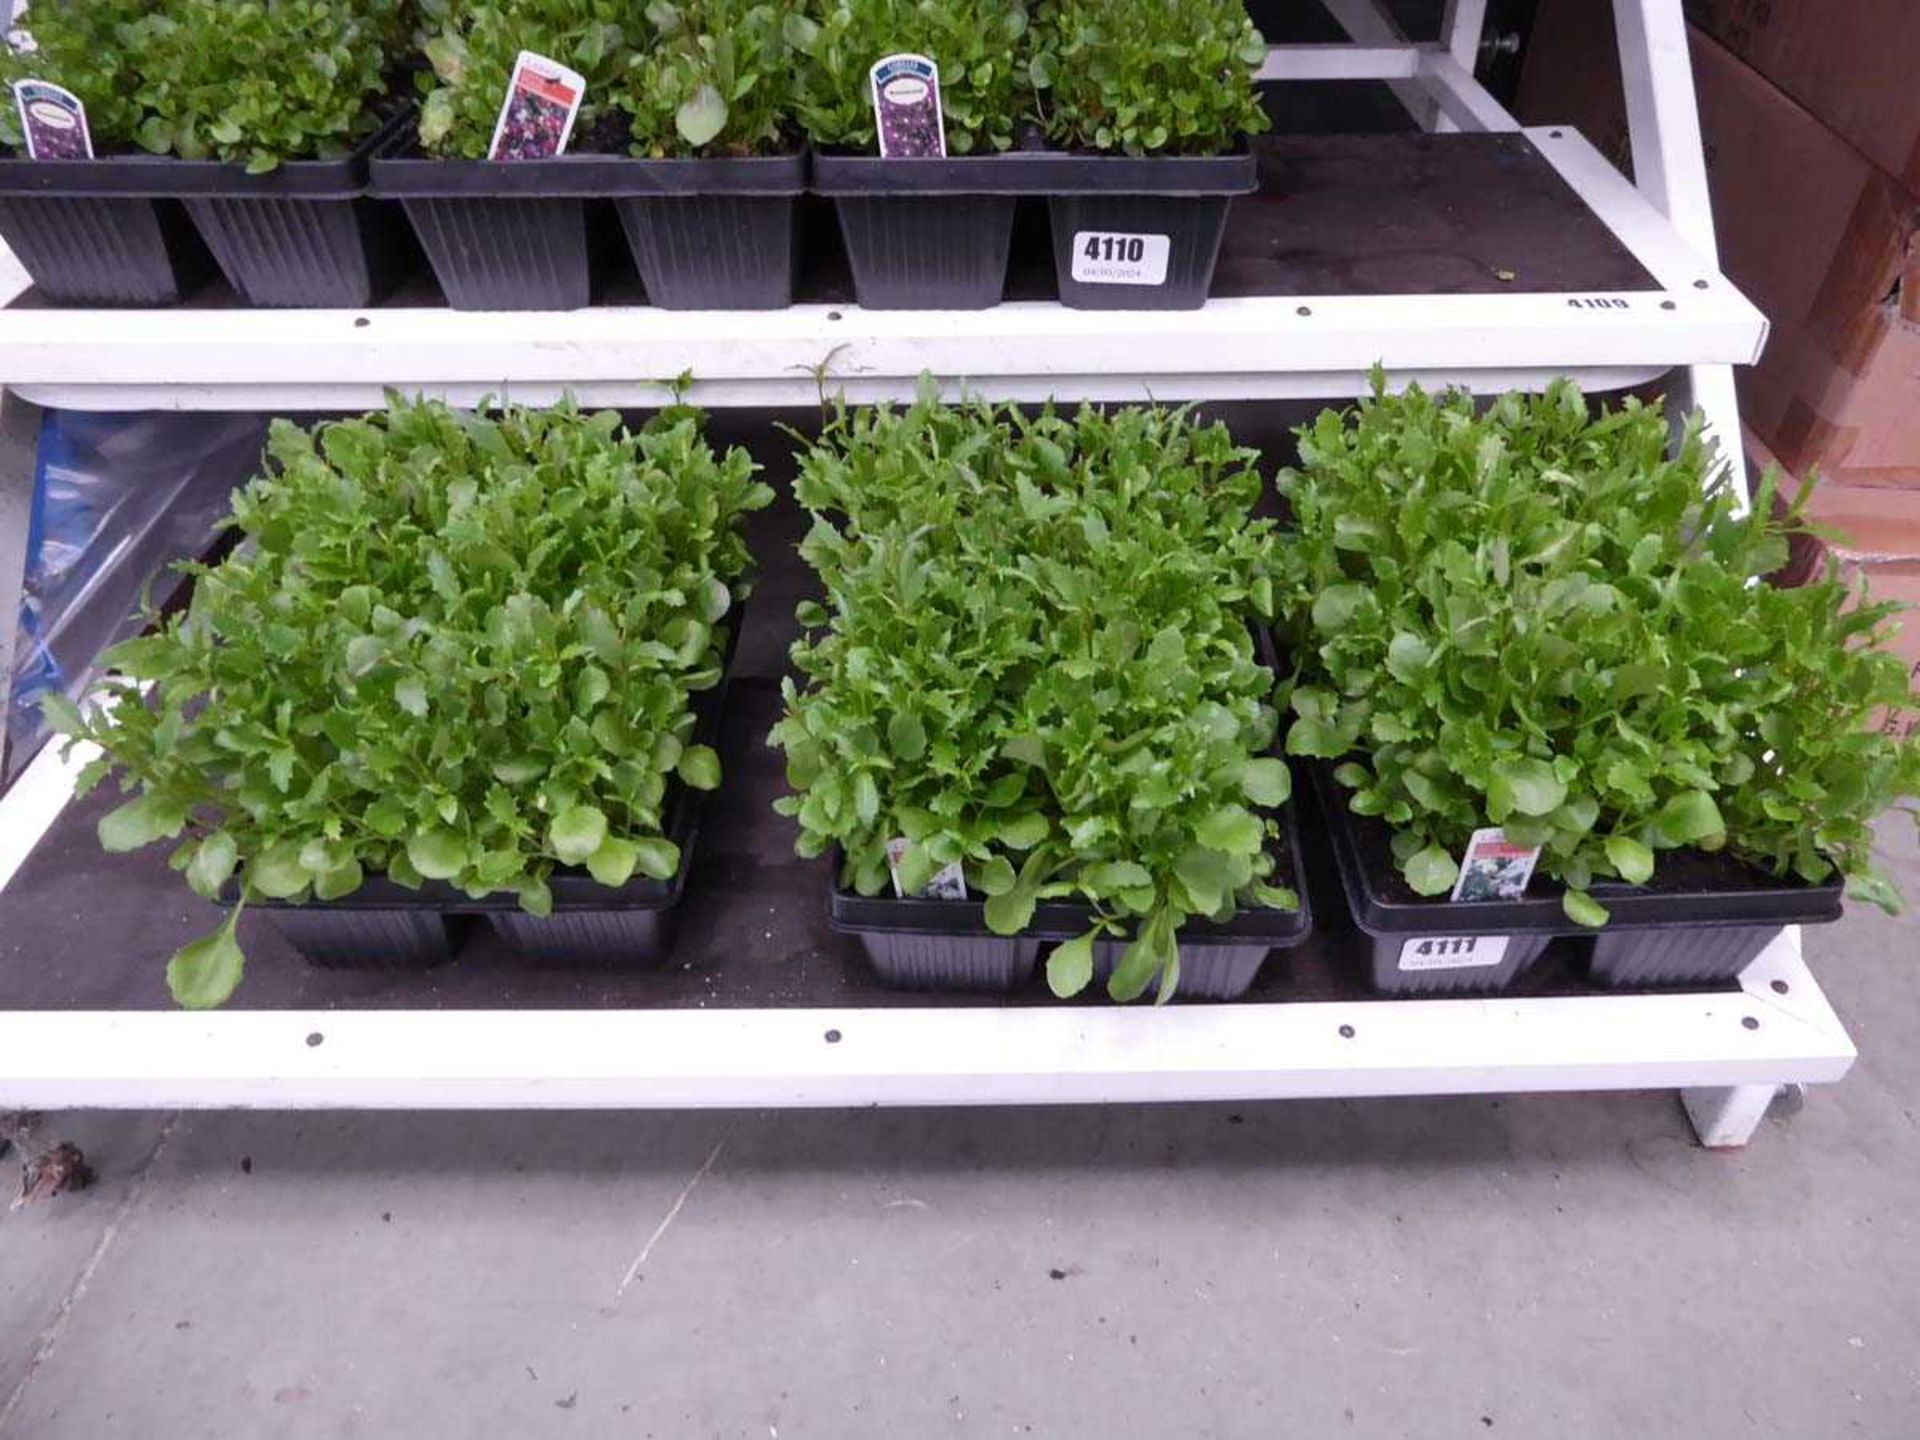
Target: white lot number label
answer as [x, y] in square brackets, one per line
[1102, 257]
[1453, 952]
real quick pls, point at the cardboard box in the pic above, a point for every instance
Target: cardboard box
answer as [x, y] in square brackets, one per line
[1849, 63]
[1821, 239]
[1874, 536]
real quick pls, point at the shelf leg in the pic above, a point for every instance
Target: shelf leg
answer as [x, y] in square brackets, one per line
[1725, 1117]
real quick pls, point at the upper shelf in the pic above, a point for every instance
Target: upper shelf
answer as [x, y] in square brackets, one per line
[1490, 259]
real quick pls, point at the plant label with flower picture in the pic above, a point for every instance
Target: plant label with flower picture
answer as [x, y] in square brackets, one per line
[1453, 952]
[949, 882]
[906, 107]
[53, 120]
[1494, 868]
[1104, 258]
[536, 118]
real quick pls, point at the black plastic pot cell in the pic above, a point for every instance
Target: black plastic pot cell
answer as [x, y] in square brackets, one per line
[1692, 955]
[110, 231]
[1142, 233]
[923, 944]
[97, 249]
[369, 936]
[713, 234]
[1705, 917]
[928, 234]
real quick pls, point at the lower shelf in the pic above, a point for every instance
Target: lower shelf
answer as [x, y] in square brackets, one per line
[761, 1004]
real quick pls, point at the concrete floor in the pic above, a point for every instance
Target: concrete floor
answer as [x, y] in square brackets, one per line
[1550, 1266]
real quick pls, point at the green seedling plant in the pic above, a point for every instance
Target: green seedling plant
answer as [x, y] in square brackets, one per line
[451, 646]
[257, 82]
[1034, 660]
[979, 45]
[716, 79]
[1553, 620]
[1162, 77]
[471, 48]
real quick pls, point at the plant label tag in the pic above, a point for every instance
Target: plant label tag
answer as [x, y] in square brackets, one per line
[1103, 257]
[949, 882]
[1494, 868]
[906, 107]
[53, 121]
[1453, 952]
[536, 118]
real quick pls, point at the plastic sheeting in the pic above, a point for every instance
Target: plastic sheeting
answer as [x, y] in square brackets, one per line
[118, 498]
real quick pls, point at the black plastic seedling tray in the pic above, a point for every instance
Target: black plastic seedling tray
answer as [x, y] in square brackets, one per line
[922, 944]
[713, 234]
[929, 234]
[516, 235]
[1701, 923]
[383, 925]
[1173, 202]
[115, 231]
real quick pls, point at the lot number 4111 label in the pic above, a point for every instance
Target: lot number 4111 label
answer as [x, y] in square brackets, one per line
[1103, 257]
[1452, 952]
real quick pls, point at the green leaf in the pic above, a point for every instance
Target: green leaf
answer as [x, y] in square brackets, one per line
[614, 862]
[1335, 607]
[699, 767]
[906, 737]
[1407, 656]
[140, 822]
[1689, 818]
[1070, 966]
[61, 714]
[1583, 909]
[410, 694]
[277, 872]
[1010, 913]
[1115, 875]
[212, 864]
[203, 973]
[1633, 860]
[659, 859]
[701, 117]
[339, 881]
[1233, 830]
[1266, 782]
[1525, 785]
[438, 854]
[996, 876]
[1023, 832]
[1431, 871]
[363, 653]
[575, 834]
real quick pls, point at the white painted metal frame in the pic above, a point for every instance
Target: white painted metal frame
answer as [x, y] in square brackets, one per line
[1777, 1029]
[1727, 1052]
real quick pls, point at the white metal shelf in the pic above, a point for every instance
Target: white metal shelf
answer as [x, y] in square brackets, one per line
[1260, 347]
[1727, 1051]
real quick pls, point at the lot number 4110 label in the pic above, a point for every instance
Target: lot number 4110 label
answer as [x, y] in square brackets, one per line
[1452, 952]
[1102, 257]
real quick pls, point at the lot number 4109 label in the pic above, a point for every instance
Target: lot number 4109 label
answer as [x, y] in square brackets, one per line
[1452, 952]
[1102, 257]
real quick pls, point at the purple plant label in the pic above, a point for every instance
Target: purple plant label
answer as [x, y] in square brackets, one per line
[53, 121]
[906, 103]
[536, 119]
